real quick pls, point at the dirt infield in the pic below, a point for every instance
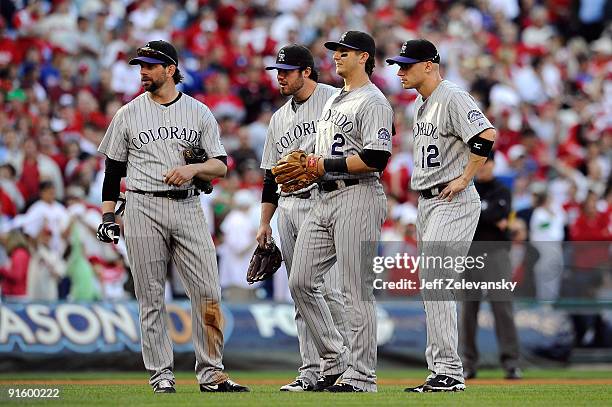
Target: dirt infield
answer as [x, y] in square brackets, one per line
[382, 382]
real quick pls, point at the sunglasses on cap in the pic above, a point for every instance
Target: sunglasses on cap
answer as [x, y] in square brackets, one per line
[153, 53]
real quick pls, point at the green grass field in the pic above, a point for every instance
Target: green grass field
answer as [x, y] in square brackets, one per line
[540, 387]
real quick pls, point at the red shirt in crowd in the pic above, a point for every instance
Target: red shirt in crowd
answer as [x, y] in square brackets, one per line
[30, 180]
[591, 256]
[15, 275]
[591, 228]
[7, 207]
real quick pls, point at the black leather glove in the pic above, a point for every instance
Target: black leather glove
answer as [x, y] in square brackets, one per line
[197, 155]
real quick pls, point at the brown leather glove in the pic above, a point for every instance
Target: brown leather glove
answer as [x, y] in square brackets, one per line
[296, 171]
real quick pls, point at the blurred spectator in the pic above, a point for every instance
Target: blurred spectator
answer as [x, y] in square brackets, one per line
[125, 78]
[523, 257]
[258, 130]
[33, 168]
[244, 152]
[546, 234]
[86, 218]
[112, 277]
[235, 252]
[221, 100]
[46, 269]
[10, 187]
[591, 234]
[60, 26]
[84, 286]
[396, 177]
[591, 224]
[46, 212]
[538, 33]
[521, 196]
[11, 144]
[7, 207]
[255, 92]
[14, 274]
[591, 14]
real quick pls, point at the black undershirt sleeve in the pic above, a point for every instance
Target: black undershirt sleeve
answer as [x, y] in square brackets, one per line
[375, 158]
[114, 171]
[222, 158]
[269, 194]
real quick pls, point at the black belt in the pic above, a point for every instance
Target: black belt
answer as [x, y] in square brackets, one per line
[329, 186]
[302, 195]
[175, 194]
[433, 192]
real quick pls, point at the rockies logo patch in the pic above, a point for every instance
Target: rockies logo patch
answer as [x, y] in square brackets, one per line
[281, 56]
[474, 115]
[383, 134]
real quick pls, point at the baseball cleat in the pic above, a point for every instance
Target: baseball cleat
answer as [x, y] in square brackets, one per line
[298, 385]
[417, 389]
[164, 386]
[327, 380]
[343, 388]
[227, 386]
[443, 383]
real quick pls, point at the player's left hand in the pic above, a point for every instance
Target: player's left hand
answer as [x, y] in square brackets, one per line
[179, 175]
[453, 188]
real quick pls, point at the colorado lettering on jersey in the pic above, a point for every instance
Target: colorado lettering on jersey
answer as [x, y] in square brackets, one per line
[300, 130]
[339, 119]
[425, 129]
[164, 133]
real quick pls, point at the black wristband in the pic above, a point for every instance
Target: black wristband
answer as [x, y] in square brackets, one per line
[108, 217]
[335, 165]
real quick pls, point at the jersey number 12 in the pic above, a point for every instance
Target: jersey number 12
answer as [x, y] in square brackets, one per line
[432, 156]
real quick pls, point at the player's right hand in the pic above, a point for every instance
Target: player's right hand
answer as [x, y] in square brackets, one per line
[108, 232]
[264, 235]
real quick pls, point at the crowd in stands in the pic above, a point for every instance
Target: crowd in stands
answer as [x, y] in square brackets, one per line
[541, 70]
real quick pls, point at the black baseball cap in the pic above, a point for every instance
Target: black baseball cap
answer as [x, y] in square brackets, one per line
[356, 40]
[293, 56]
[415, 51]
[156, 52]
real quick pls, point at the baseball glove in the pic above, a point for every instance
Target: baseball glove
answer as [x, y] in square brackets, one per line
[264, 263]
[296, 171]
[197, 155]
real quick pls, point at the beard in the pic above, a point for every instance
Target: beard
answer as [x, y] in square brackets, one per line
[154, 85]
[293, 88]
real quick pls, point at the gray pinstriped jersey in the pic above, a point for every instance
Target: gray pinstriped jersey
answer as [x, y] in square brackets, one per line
[291, 130]
[150, 137]
[354, 121]
[443, 124]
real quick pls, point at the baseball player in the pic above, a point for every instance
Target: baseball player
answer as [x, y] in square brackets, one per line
[353, 145]
[293, 127]
[163, 217]
[452, 139]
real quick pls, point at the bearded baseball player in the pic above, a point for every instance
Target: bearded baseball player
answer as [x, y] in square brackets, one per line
[353, 145]
[163, 217]
[293, 127]
[452, 139]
